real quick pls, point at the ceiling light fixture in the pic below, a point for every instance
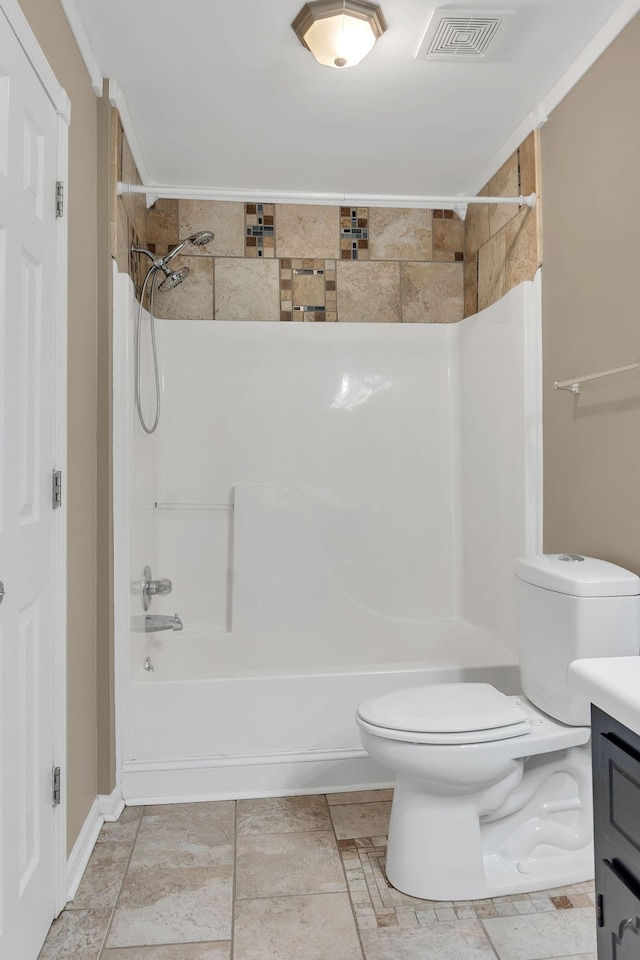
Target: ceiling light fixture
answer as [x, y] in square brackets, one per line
[339, 33]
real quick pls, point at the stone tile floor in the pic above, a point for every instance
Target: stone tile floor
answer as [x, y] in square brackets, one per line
[293, 878]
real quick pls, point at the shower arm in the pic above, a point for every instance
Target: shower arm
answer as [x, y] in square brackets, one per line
[159, 263]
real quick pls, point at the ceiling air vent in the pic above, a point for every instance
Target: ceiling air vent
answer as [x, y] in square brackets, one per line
[463, 34]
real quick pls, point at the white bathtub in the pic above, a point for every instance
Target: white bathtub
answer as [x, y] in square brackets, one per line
[205, 726]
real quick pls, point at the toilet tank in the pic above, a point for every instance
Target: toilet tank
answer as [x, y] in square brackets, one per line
[569, 607]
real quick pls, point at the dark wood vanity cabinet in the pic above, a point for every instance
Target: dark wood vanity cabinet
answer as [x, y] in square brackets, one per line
[616, 792]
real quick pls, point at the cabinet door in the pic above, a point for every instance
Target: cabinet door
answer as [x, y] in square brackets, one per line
[620, 933]
[616, 788]
[616, 777]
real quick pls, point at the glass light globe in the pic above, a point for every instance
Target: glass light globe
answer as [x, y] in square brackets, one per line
[340, 41]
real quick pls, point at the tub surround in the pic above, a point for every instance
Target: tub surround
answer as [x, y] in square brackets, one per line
[324, 541]
[612, 684]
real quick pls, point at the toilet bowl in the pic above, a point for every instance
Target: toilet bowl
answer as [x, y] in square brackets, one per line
[493, 792]
[451, 794]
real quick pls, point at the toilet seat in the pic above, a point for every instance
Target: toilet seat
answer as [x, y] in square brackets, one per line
[445, 713]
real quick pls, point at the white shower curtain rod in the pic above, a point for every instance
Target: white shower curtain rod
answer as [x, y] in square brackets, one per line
[155, 192]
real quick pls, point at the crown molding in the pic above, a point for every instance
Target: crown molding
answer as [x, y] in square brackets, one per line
[117, 99]
[84, 45]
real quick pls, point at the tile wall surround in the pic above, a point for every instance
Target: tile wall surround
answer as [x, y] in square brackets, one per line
[315, 263]
[503, 243]
[308, 262]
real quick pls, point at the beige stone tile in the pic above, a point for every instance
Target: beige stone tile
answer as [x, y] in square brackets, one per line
[124, 829]
[432, 940]
[224, 217]
[316, 927]
[307, 230]
[308, 290]
[432, 292]
[173, 905]
[282, 815]
[470, 273]
[247, 289]
[162, 223]
[193, 298]
[134, 203]
[101, 881]
[448, 238]
[476, 228]
[529, 161]
[400, 234]
[281, 864]
[191, 835]
[491, 270]
[220, 811]
[360, 796]
[361, 819]
[215, 950]
[503, 184]
[368, 292]
[76, 935]
[521, 248]
[122, 239]
[562, 933]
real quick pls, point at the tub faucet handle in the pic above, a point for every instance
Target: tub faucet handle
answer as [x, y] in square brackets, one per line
[150, 588]
[159, 588]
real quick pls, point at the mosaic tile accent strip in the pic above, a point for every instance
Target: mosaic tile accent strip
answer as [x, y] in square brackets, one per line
[377, 904]
[330, 292]
[354, 233]
[259, 229]
[286, 289]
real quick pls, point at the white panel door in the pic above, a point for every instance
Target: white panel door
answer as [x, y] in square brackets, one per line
[28, 166]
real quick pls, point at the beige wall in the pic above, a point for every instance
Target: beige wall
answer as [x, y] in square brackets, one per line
[50, 26]
[590, 150]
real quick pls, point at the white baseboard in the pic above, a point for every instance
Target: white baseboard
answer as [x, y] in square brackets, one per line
[242, 777]
[111, 804]
[82, 848]
[107, 806]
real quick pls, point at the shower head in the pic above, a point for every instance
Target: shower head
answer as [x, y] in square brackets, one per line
[173, 278]
[199, 239]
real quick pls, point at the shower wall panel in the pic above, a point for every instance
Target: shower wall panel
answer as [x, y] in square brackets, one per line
[343, 442]
[501, 421]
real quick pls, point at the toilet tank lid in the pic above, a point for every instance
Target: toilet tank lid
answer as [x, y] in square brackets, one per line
[577, 576]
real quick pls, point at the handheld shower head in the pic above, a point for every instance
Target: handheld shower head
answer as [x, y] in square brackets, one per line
[202, 238]
[173, 278]
[199, 239]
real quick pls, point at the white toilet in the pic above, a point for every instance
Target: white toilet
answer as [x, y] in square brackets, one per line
[493, 793]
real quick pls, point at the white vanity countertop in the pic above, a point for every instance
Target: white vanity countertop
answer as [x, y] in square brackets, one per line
[611, 683]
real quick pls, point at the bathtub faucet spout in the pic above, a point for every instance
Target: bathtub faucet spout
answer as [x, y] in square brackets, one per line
[153, 622]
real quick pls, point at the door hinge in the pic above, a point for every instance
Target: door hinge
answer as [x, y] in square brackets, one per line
[59, 199]
[600, 910]
[56, 787]
[56, 489]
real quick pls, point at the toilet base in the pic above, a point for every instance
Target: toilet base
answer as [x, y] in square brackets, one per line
[537, 836]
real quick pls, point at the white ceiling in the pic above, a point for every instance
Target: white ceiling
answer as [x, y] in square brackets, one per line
[223, 95]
